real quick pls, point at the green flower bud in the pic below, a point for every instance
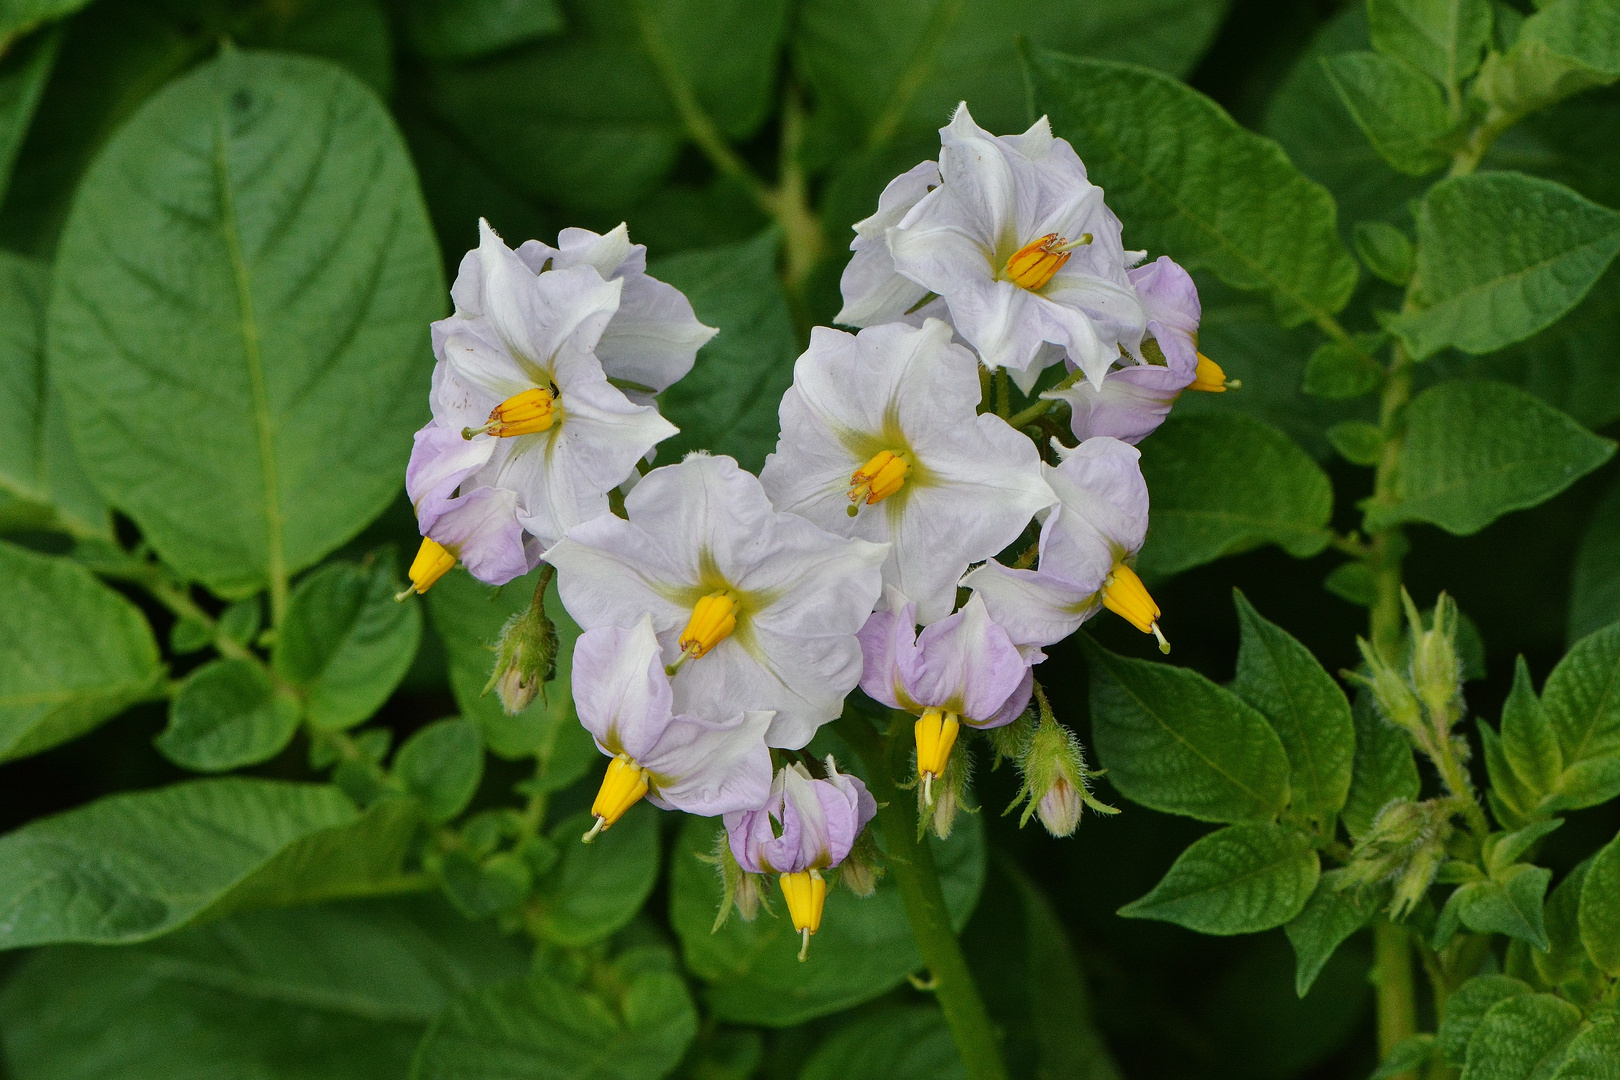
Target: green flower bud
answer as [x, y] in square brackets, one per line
[1056, 780]
[525, 654]
[1436, 670]
[1405, 846]
[860, 871]
[1391, 693]
[949, 794]
[741, 891]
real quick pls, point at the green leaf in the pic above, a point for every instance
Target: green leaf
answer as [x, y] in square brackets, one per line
[1566, 960]
[1306, 708]
[1582, 700]
[1327, 920]
[1501, 256]
[76, 653]
[1594, 600]
[1466, 1007]
[1475, 450]
[897, 1044]
[1502, 850]
[728, 404]
[129, 867]
[1407, 1056]
[1340, 370]
[37, 460]
[1357, 441]
[1509, 904]
[441, 765]
[345, 642]
[863, 949]
[467, 29]
[1600, 909]
[546, 1029]
[1400, 110]
[22, 82]
[1592, 1053]
[228, 714]
[18, 17]
[1383, 768]
[1529, 743]
[1239, 880]
[1174, 741]
[468, 616]
[1567, 47]
[1522, 1038]
[596, 888]
[1353, 582]
[223, 341]
[333, 993]
[1444, 38]
[1385, 251]
[1227, 484]
[882, 71]
[353, 33]
[1191, 181]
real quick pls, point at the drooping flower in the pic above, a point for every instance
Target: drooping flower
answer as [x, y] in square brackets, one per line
[539, 425]
[1017, 242]
[964, 669]
[881, 440]
[652, 339]
[704, 767]
[755, 609]
[807, 825]
[1134, 399]
[1086, 542]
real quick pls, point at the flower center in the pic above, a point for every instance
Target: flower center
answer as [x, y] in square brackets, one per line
[806, 894]
[622, 787]
[521, 414]
[1032, 266]
[879, 478]
[1126, 596]
[1209, 377]
[713, 617]
[936, 733]
[433, 560]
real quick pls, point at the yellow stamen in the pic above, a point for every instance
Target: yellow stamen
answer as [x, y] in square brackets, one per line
[713, 617]
[1209, 377]
[1033, 265]
[521, 414]
[1126, 596]
[936, 734]
[879, 478]
[433, 560]
[806, 894]
[622, 787]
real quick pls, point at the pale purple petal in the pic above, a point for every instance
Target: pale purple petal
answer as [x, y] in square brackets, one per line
[886, 638]
[440, 460]
[1170, 300]
[1130, 405]
[620, 690]
[1033, 607]
[481, 529]
[711, 767]
[967, 665]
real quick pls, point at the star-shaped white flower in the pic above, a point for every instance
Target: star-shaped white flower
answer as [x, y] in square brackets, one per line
[756, 610]
[881, 440]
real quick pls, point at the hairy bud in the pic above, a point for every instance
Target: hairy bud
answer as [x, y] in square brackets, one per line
[525, 654]
[860, 871]
[741, 890]
[949, 793]
[1405, 846]
[1393, 695]
[1436, 670]
[1055, 778]
[1009, 740]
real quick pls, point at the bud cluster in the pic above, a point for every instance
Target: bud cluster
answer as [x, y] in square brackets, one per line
[1425, 699]
[1405, 847]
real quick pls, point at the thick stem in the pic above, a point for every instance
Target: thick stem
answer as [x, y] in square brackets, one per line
[1389, 546]
[1397, 997]
[911, 862]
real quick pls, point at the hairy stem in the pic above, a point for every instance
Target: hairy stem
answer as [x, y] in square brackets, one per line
[1397, 997]
[911, 861]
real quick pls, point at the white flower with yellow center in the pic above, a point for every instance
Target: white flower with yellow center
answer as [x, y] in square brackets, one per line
[881, 440]
[756, 610]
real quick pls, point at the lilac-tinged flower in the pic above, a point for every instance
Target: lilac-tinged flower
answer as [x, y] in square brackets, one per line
[653, 338]
[963, 669]
[1017, 242]
[881, 439]
[804, 827]
[874, 292]
[1134, 399]
[755, 609]
[1098, 524]
[623, 696]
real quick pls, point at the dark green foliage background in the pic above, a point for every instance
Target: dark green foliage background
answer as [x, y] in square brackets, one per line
[556, 117]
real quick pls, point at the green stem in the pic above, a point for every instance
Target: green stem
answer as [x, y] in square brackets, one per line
[175, 598]
[1003, 394]
[911, 861]
[1031, 414]
[1397, 997]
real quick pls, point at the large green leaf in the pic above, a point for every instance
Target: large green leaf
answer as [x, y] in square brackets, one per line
[1592, 1054]
[1522, 1038]
[241, 300]
[1566, 47]
[897, 1044]
[1400, 109]
[1239, 880]
[468, 616]
[899, 68]
[636, 1027]
[863, 949]
[1594, 600]
[1600, 909]
[1501, 256]
[1444, 38]
[22, 82]
[345, 642]
[441, 765]
[228, 714]
[1582, 699]
[1226, 484]
[1172, 740]
[728, 404]
[1334, 911]
[1467, 1006]
[130, 867]
[596, 888]
[18, 17]
[75, 653]
[1280, 677]
[334, 993]
[1190, 181]
[1475, 450]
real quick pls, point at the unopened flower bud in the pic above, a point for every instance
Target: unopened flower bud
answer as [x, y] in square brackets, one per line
[525, 654]
[1436, 672]
[1393, 695]
[1059, 808]
[1055, 775]
[860, 871]
[741, 891]
[1405, 846]
[947, 795]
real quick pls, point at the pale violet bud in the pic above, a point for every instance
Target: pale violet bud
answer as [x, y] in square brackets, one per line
[948, 794]
[1055, 777]
[1436, 672]
[525, 654]
[1059, 808]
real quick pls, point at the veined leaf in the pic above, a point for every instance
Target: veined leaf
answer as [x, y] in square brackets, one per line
[1400, 110]
[1240, 880]
[1582, 701]
[896, 1044]
[1600, 909]
[228, 714]
[1444, 38]
[1522, 1037]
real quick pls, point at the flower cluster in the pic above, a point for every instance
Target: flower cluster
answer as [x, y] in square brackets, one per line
[726, 617]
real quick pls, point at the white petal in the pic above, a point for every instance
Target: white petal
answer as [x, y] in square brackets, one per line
[1033, 608]
[481, 529]
[620, 689]
[712, 767]
[874, 292]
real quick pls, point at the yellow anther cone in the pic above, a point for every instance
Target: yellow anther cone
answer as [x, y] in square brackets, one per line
[806, 894]
[433, 560]
[622, 787]
[713, 617]
[527, 413]
[879, 478]
[1208, 377]
[1034, 264]
[1126, 596]
[936, 733]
